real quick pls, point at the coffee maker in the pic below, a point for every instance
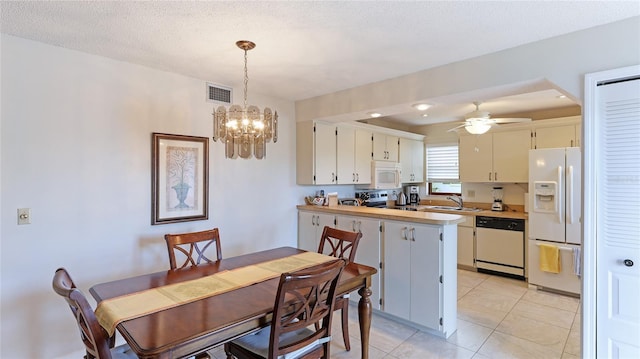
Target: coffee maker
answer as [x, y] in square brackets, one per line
[413, 197]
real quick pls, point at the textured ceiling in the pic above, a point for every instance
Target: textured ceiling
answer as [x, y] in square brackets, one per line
[304, 48]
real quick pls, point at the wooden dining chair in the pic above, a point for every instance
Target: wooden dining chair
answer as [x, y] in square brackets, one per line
[341, 244]
[190, 249]
[304, 297]
[97, 342]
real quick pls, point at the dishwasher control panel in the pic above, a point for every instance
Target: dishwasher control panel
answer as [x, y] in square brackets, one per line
[507, 224]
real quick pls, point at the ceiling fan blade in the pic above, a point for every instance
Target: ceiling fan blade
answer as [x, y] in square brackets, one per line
[457, 127]
[511, 120]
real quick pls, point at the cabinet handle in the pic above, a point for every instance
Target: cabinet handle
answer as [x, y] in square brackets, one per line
[353, 226]
[313, 220]
[357, 177]
[413, 234]
[333, 176]
[359, 226]
[353, 177]
[495, 176]
[489, 176]
[404, 233]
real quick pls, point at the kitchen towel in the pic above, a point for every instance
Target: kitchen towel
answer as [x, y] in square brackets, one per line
[577, 262]
[549, 258]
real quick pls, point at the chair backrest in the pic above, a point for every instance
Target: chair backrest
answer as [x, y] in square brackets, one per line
[313, 292]
[95, 338]
[191, 248]
[338, 243]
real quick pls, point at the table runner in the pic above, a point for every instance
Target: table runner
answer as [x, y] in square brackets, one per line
[111, 312]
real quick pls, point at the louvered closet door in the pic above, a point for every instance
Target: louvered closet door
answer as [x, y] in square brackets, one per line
[617, 142]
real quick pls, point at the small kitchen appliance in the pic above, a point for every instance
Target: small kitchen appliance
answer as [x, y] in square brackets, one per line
[401, 199]
[413, 198]
[497, 199]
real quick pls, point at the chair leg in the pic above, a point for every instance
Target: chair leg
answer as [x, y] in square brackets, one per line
[228, 351]
[345, 326]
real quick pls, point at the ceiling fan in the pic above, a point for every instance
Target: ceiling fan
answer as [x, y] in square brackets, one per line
[478, 122]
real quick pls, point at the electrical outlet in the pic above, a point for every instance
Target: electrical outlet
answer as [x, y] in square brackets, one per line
[471, 193]
[24, 215]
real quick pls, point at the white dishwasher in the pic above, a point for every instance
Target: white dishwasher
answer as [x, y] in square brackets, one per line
[500, 246]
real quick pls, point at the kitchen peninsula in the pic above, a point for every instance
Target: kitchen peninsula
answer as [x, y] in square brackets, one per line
[414, 251]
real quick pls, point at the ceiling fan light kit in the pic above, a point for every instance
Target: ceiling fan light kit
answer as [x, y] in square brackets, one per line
[478, 122]
[477, 126]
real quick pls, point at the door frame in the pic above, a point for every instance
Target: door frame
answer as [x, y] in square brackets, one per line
[589, 200]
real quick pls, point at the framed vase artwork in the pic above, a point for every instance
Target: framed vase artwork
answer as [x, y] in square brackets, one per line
[179, 178]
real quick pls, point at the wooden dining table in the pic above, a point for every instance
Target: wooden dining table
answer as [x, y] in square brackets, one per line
[200, 325]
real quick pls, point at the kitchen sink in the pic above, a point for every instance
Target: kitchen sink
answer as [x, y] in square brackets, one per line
[453, 208]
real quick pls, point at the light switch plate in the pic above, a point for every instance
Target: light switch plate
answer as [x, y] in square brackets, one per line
[24, 215]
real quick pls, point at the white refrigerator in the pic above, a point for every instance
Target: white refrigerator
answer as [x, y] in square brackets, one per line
[555, 208]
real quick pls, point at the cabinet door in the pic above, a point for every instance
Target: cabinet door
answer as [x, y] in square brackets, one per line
[418, 161]
[379, 147]
[363, 156]
[425, 275]
[346, 146]
[476, 158]
[397, 270]
[393, 148]
[554, 137]
[465, 246]
[385, 147]
[511, 156]
[325, 153]
[310, 227]
[307, 231]
[406, 160]
[368, 252]
[412, 160]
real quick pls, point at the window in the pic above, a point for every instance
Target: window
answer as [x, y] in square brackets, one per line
[442, 169]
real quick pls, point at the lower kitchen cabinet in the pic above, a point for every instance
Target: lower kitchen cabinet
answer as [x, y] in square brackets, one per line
[310, 227]
[420, 278]
[368, 252]
[466, 242]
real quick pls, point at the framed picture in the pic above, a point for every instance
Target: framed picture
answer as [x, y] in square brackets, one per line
[179, 178]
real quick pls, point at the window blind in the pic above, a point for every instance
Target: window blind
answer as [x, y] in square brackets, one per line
[442, 163]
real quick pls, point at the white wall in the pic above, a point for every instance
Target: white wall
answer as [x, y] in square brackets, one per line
[75, 147]
[563, 61]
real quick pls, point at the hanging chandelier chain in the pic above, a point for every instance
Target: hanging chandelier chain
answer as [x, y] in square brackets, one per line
[246, 79]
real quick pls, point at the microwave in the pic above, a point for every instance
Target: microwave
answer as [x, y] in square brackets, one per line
[385, 175]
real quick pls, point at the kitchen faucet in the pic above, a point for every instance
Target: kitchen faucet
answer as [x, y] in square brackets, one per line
[457, 200]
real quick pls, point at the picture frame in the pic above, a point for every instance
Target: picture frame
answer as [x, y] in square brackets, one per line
[179, 178]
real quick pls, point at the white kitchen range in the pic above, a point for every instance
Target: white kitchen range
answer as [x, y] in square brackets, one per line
[554, 218]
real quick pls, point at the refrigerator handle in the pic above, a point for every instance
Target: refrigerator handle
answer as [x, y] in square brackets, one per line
[570, 194]
[559, 190]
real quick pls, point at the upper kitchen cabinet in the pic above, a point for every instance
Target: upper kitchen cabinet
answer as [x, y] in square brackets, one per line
[495, 157]
[316, 153]
[561, 132]
[354, 146]
[385, 147]
[412, 160]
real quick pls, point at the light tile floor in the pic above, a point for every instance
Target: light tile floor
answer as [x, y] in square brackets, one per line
[497, 318]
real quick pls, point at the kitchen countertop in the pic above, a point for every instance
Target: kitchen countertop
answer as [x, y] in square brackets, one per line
[390, 214]
[422, 215]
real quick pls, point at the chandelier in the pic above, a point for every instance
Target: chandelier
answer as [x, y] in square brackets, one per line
[245, 130]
